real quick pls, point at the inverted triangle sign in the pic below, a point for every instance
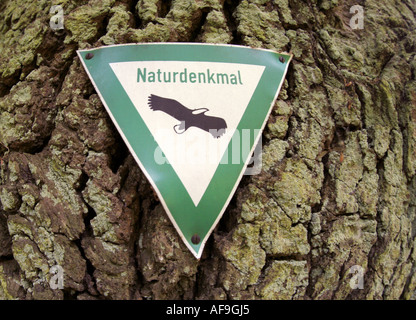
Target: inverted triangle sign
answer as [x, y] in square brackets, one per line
[191, 116]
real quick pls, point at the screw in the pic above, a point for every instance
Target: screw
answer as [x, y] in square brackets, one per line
[89, 55]
[195, 239]
[282, 59]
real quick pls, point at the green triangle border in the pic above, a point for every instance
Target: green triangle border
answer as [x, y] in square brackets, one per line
[186, 218]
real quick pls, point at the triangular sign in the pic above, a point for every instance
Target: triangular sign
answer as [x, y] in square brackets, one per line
[191, 116]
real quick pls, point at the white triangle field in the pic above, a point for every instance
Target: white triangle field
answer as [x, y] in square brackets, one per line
[194, 154]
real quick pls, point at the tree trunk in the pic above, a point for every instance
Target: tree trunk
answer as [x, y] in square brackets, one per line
[330, 216]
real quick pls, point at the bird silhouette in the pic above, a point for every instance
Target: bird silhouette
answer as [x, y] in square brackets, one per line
[188, 117]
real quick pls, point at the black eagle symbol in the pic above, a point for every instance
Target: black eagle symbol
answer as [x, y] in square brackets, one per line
[187, 117]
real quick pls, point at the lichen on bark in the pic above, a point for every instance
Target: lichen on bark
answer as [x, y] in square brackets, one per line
[337, 187]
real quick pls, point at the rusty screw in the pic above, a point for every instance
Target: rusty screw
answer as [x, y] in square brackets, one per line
[89, 55]
[195, 239]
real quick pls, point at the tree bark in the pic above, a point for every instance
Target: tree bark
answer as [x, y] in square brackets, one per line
[330, 216]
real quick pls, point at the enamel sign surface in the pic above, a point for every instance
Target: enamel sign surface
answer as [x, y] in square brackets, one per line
[191, 116]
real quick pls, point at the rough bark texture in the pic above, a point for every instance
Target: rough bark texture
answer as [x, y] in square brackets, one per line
[337, 190]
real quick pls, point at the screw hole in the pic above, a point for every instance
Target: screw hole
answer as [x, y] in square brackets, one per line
[195, 239]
